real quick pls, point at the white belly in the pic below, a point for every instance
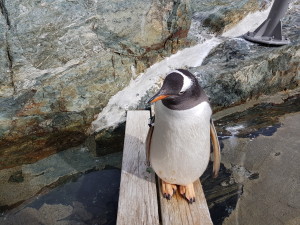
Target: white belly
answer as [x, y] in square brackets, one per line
[180, 146]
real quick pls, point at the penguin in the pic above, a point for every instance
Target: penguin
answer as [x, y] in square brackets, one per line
[178, 144]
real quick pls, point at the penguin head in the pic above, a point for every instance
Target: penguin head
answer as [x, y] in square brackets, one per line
[180, 90]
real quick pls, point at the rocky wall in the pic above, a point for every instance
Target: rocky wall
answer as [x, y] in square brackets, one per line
[61, 61]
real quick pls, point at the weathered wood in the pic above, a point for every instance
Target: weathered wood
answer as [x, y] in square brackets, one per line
[138, 196]
[177, 211]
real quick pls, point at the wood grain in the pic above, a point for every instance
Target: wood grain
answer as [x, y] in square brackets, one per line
[177, 211]
[138, 196]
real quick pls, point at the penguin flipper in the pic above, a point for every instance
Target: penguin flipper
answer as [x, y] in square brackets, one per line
[148, 144]
[216, 149]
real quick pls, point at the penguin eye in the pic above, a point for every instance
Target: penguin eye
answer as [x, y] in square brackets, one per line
[182, 92]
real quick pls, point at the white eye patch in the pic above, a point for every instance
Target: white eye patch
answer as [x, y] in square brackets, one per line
[187, 82]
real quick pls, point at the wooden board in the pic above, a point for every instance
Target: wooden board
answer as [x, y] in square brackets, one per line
[138, 196]
[177, 211]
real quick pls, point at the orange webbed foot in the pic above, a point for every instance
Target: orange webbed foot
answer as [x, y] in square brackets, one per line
[168, 190]
[188, 192]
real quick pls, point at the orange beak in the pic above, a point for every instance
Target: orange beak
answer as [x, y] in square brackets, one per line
[160, 97]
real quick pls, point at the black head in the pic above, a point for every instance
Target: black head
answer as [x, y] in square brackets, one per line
[180, 91]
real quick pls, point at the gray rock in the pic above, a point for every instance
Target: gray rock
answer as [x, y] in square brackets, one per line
[63, 60]
[6, 82]
[238, 70]
[273, 197]
[211, 17]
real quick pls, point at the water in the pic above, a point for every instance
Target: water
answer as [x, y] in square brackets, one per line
[262, 119]
[89, 199]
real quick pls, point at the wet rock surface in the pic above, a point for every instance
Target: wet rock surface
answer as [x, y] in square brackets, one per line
[221, 193]
[260, 149]
[261, 119]
[272, 198]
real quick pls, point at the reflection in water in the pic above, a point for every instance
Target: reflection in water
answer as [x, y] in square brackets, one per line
[90, 199]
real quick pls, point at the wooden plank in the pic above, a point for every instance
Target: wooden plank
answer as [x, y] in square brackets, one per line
[177, 211]
[138, 196]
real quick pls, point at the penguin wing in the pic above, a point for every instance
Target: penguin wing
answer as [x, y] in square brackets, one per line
[216, 149]
[148, 144]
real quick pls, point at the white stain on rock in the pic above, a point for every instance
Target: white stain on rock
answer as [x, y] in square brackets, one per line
[129, 97]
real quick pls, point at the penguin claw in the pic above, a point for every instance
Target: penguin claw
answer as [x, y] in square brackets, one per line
[168, 190]
[188, 193]
[192, 200]
[167, 196]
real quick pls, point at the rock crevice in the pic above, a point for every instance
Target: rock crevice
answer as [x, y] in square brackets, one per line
[5, 12]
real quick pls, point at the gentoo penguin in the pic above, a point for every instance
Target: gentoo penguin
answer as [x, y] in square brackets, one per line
[178, 145]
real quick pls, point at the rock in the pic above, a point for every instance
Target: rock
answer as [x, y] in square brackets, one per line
[253, 122]
[273, 196]
[253, 159]
[62, 61]
[6, 82]
[216, 17]
[238, 70]
[67, 66]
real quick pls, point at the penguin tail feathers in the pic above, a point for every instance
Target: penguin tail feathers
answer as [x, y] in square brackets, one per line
[216, 149]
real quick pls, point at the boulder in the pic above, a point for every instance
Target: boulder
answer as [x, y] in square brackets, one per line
[238, 70]
[61, 62]
[64, 62]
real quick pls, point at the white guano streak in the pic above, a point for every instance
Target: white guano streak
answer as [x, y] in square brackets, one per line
[129, 97]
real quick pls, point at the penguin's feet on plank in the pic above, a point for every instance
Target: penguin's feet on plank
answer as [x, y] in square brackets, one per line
[168, 189]
[188, 192]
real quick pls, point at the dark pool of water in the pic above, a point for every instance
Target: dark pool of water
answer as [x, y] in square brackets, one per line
[221, 193]
[92, 198]
[262, 119]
